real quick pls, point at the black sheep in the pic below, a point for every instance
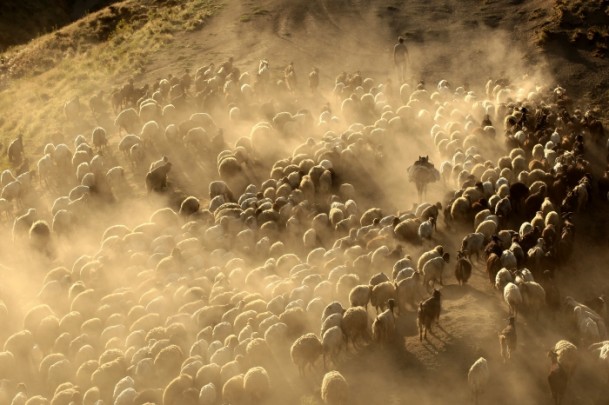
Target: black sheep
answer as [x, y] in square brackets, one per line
[518, 193]
[156, 179]
[533, 202]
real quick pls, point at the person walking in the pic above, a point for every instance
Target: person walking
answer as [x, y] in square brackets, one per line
[400, 58]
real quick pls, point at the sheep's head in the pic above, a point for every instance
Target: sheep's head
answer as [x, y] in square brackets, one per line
[446, 257]
[436, 294]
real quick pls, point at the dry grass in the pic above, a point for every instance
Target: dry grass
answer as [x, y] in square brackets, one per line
[94, 53]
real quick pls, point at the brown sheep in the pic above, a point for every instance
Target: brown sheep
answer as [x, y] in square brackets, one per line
[463, 268]
[557, 378]
[429, 311]
[493, 265]
[508, 339]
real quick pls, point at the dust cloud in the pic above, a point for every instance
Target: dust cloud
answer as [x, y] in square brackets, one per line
[198, 280]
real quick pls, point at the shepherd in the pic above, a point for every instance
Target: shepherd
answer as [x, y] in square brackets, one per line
[400, 58]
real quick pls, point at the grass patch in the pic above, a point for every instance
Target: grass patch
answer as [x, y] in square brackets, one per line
[92, 54]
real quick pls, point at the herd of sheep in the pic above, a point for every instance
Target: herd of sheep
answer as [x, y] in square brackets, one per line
[260, 248]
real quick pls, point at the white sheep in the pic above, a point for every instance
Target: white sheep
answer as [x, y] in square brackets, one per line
[208, 394]
[256, 384]
[513, 298]
[433, 269]
[568, 355]
[360, 296]
[426, 228]
[334, 389]
[408, 292]
[477, 377]
[488, 227]
[508, 260]
[435, 252]
[533, 296]
[503, 277]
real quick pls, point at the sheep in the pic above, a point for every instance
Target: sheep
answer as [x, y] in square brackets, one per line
[208, 394]
[156, 180]
[407, 292]
[559, 375]
[383, 327]
[428, 312]
[13, 191]
[334, 307]
[433, 269]
[508, 339]
[127, 120]
[355, 325]
[380, 294]
[330, 321]
[438, 251]
[533, 296]
[557, 379]
[404, 263]
[513, 298]
[426, 228]
[6, 177]
[590, 324]
[477, 377]
[127, 142]
[473, 243]
[40, 237]
[98, 138]
[503, 277]
[360, 296]
[45, 167]
[5, 208]
[333, 341]
[305, 351]
[22, 224]
[463, 268]
[334, 389]
[488, 228]
[256, 384]
[508, 260]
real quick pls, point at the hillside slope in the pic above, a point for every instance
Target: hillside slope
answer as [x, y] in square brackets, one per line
[22, 20]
